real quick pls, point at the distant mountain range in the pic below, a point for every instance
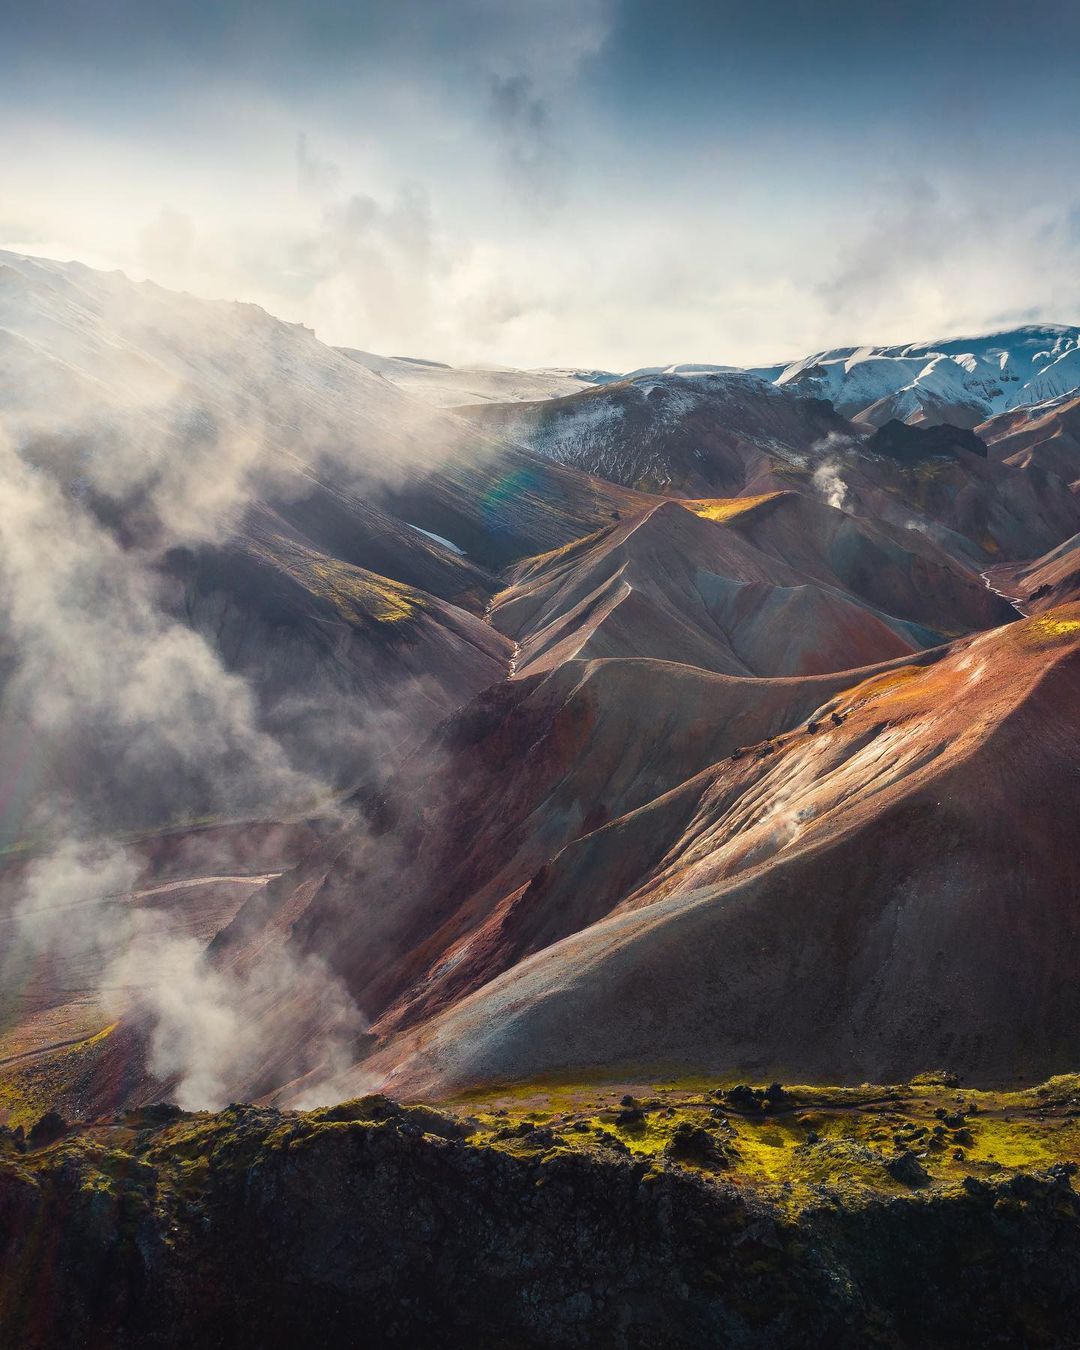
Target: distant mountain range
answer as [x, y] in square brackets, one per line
[962, 381]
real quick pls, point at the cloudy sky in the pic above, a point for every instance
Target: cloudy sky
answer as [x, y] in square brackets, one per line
[595, 182]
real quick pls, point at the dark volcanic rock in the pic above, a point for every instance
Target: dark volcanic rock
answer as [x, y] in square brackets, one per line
[907, 1168]
[911, 444]
[47, 1130]
[360, 1227]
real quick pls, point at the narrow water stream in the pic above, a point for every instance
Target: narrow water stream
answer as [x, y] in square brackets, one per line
[991, 587]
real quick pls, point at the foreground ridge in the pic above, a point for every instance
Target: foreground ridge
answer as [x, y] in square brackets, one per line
[557, 1215]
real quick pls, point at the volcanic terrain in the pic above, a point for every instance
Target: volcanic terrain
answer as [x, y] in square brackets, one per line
[690, 721]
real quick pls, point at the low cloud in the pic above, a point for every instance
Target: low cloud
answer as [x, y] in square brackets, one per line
[535, 163]
[139, 719]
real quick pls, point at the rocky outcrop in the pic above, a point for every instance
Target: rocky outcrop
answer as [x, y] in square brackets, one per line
[371, 1224]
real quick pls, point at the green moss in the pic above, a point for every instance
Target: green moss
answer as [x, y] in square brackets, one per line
[810, 1145]
[49, 1081]
[818, 1141]
[355, 593]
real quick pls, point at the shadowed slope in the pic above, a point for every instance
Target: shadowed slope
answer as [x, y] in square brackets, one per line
[709, 434]
[901, 572]
[499, 503]
[345, 662]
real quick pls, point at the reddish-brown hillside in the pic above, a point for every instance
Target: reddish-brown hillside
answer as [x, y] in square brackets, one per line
[888, 893]
[777, 585]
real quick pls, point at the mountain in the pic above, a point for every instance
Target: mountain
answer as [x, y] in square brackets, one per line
[778, 585]
[324, 642]
[308, 521]
[693, 435]
[577, 765]
[960, 380]
[724, 435]
[853, 904]
[707, 888]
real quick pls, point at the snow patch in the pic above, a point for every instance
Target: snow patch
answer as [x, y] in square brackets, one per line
[438, 538]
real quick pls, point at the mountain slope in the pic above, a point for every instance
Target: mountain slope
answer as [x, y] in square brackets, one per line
[252, 483]
[694, 436]
[447, 887]
[446, 386]
[345, 662]
[1043, 583]
[1043, 434]
[961, 380]
[677, 585]
[865, 899]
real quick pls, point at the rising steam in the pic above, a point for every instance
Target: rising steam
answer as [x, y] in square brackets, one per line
[132, 422]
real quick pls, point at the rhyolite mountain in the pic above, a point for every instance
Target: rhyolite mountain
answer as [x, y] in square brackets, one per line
[686, 719]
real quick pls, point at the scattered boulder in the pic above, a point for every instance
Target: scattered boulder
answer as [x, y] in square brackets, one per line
[157, 1114]
[907, 1169]
[47, 1130]
[538, 1135]
[692, 1144]
[744, 1097]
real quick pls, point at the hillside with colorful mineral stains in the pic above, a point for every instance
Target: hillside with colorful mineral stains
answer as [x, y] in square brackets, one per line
[453, 729]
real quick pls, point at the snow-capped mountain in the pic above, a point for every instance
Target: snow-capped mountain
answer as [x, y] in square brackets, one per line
[959, 380]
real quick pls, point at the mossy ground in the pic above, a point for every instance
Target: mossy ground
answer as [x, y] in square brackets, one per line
[55, 1079]
[356, 594]
[811, 1143]
[797, 1148]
